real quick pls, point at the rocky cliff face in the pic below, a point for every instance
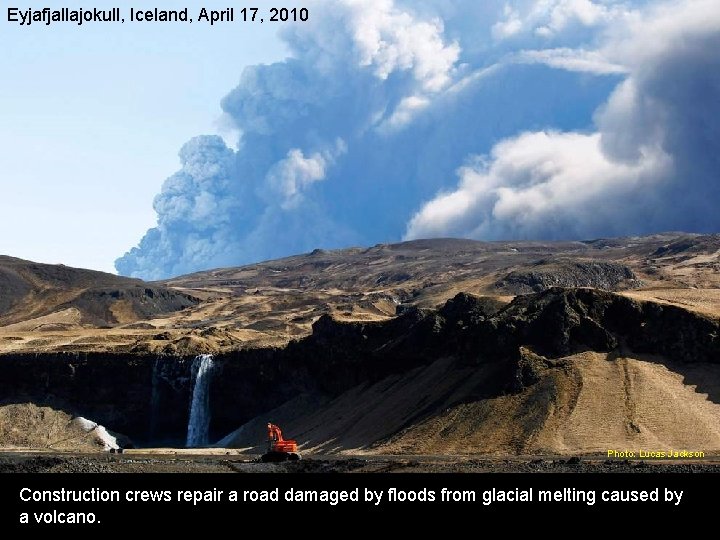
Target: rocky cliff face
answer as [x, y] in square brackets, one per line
[147, 397]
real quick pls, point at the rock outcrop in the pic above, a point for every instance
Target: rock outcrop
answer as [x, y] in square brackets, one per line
[544, 274]
[488, 350]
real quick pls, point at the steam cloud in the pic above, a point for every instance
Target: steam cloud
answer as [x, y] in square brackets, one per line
[566, 118]
[651, 165]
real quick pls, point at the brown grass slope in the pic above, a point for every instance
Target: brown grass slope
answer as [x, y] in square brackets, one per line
[559, 372]
[30, 291]
[273, 302]
[280, 299]
[594, 404]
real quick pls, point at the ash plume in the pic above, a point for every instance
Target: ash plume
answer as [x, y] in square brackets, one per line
[564, 120]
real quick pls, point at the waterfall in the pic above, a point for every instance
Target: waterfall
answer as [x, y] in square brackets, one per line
[199, 422]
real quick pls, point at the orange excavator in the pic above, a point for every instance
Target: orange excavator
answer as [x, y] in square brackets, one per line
[279, 449]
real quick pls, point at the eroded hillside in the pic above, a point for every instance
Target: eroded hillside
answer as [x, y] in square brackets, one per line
[52, 309]
[561, 371]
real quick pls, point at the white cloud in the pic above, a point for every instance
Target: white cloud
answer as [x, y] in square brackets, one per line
[579, 60]
[405, 112]
[544, 182]
[666, 27]
[389, 39]
[511, 25]
[652, 163]
[566, 12]
[550, 18]
[290, 177]
[293, 174]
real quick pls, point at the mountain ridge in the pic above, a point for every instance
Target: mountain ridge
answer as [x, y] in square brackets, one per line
[433, 347]
[273, 302]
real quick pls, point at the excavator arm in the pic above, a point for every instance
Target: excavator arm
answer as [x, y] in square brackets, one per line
[274, 433]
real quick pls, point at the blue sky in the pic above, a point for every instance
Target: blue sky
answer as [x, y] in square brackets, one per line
[91, 121]
[377, 121]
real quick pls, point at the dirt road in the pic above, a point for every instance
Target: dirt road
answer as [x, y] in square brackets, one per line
[197, 463]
